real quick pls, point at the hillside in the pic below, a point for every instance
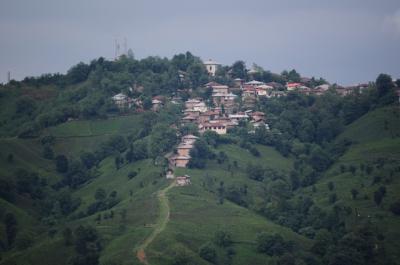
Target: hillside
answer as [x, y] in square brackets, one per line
[278, 171]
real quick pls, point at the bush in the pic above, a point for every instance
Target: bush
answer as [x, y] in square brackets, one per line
[207, 252]
[23, 241]
[273, 245]
[222, 239]
[132, 174]
[395, 208]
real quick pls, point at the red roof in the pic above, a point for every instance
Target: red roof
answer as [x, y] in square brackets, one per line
[293, 84]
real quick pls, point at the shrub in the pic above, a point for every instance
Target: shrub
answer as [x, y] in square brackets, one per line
[207, 252]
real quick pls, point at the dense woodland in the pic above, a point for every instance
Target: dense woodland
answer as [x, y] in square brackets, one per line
[304, 129]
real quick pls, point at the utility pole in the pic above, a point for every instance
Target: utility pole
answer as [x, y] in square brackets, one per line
[8, 77]
[125, 46]
[117, 49]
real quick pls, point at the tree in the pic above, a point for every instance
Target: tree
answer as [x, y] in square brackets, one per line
[323, 239]
[10, 158]
[197, 74]
[147, 103]
[221, 192]
[354, 193]
[78, 73]
[222, 238]
[48, 152]
[180, 256]
[87, 246]
[118, 161]
[10, 223]
[395, 208]
[255, 172]
[88, 159]
[61, 163]
[379, 194]
[23, 240]
[239, 70]
[68, 236]
[273, 245]
[384, 84]
[132, 174]
[100, 194]
[25, 105]
[207, 252]
[332, 198]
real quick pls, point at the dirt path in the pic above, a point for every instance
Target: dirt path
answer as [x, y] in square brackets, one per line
[159, 226]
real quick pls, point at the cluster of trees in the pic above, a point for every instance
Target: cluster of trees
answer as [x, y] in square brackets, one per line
[86, 90]
[222, 240]
[102, 201]
[87, 244]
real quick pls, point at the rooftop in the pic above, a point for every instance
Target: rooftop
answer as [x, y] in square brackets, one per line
[210, 62]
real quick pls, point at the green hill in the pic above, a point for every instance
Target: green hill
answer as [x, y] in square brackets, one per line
[82, 179]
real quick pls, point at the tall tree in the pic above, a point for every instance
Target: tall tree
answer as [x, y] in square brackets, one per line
[384, 84]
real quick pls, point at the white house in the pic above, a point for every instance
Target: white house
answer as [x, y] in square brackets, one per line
[183, 180]
[211, 66]
[122, 100]
[189, 139]
[201, 107]
[254, 83]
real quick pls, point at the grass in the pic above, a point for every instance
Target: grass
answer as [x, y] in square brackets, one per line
[371, 141]
[86, 128]
[195, 214]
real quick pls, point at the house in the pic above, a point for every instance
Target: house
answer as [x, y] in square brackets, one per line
[323, 87]
[228, 99]
[260, 92]
[218, 127]
[189, 139]
[189, 104]
[211, 66]
[189, 119]
[192, 112]
[258, 116]
[292, 86]
[122, 101]
[220, 89]
[238, 116]
[183, 180]
[200, 107]
[183, 149]
[180, 161]
[260, 124]
[248, 91]
[170, 174]
[238, 82]
[157, 104]
[254, 83]
[276, 94]
[207, 116]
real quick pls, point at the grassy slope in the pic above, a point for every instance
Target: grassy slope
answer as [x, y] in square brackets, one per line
[372, 141]
[195, 213]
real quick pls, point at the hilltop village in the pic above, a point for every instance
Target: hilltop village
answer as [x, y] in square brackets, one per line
[226, 106]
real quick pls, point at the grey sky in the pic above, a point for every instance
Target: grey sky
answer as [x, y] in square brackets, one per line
[345, 41]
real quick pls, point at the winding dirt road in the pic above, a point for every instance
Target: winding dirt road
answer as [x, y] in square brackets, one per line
[159, 226]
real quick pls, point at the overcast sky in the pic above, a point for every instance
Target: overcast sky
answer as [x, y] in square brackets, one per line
[344, 41]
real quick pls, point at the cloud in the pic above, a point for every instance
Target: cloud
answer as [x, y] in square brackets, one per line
[391, 23]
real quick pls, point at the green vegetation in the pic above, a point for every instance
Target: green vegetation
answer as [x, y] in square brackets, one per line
[83, 181]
